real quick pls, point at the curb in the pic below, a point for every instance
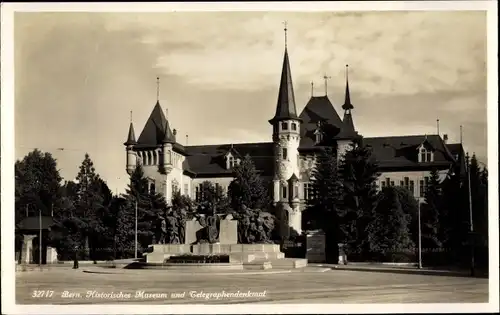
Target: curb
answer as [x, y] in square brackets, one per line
[172, 272]
[425, 272]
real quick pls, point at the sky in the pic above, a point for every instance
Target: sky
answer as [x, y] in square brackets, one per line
[78, 76]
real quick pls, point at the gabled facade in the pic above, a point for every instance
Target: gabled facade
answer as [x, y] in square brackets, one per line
[287, 161]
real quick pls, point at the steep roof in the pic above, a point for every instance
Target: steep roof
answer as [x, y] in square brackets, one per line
[318, 109]
[131, 136]
[285, 108]
[156, 130]
[208, 160]
[401, 151]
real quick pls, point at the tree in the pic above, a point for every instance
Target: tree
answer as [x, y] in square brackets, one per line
[359, 172]
[430, 213]
[90, 206]
[247, 187]
[37, 184]
[212, 199]
[324, 206]
[123, 228]
[151, 206]
[390, 234]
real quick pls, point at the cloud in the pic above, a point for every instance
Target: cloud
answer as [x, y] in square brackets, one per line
[389, 52]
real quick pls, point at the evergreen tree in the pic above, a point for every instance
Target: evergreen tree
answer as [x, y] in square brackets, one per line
[430, 213]
[359, 172]
[90, 206]
[409, 206]
[390, 234]
[247, 187]
[324, 206]
[151, 206]
[123, 228]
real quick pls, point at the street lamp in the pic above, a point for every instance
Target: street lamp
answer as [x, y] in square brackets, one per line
[419, 237]
[135, 255]
[471, 223]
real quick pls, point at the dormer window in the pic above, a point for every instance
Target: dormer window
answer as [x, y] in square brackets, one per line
[284, 126]
[425, 155]
[230, 162]
[294, 126]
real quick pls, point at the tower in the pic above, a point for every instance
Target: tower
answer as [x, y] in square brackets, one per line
[348, 132]
[129, 147]
[286, 138]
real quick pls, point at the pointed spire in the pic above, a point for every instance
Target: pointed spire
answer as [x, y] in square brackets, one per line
[131, 133]
[326, 78]
[157, 89]
[348, 129]
[285, 109]
[312, 88]
[347, 102]
[286, 38]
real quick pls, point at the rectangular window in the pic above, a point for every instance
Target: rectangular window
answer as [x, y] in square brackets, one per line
[284, 192]
[412, 187]
[295, 191]
[392, 183]
[230, 162]
[401, 183]
[294, 126]
[422, 188]
[383, 184]
[152, 188]
[306, 191]
[284, 126]
[388, 181]
[406, 183]
[186, 189]
[197, 193]
[429, 157]
[284, 153]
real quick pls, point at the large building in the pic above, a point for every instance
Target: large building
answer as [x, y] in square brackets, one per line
[287, 160]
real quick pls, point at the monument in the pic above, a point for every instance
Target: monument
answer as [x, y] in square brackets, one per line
[206, 237]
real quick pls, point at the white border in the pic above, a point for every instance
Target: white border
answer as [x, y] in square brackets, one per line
[7, 154]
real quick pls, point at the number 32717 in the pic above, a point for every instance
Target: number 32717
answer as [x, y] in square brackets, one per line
[42, 293]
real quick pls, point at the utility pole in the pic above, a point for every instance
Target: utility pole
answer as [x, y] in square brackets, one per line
[135, 256]
[40, 238]
[471, 223]
[419, 238]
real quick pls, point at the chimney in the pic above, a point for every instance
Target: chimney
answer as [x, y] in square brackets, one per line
[445, 138]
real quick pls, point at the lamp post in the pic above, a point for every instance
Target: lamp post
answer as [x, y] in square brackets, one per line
[40, 238]
[471, 223]
[135, 241]
[419, 237]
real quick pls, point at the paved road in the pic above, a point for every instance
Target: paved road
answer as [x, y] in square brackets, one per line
[311, 285]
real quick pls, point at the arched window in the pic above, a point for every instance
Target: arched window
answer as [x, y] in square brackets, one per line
[294, 126]
[284, 125]
[318, 136]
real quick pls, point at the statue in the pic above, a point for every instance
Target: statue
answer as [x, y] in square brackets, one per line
[210, 232]
[162, 231]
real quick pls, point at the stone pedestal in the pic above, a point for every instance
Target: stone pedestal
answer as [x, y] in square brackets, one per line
[27, 249]
[315, 247]
[51, 257]
[228, 233]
